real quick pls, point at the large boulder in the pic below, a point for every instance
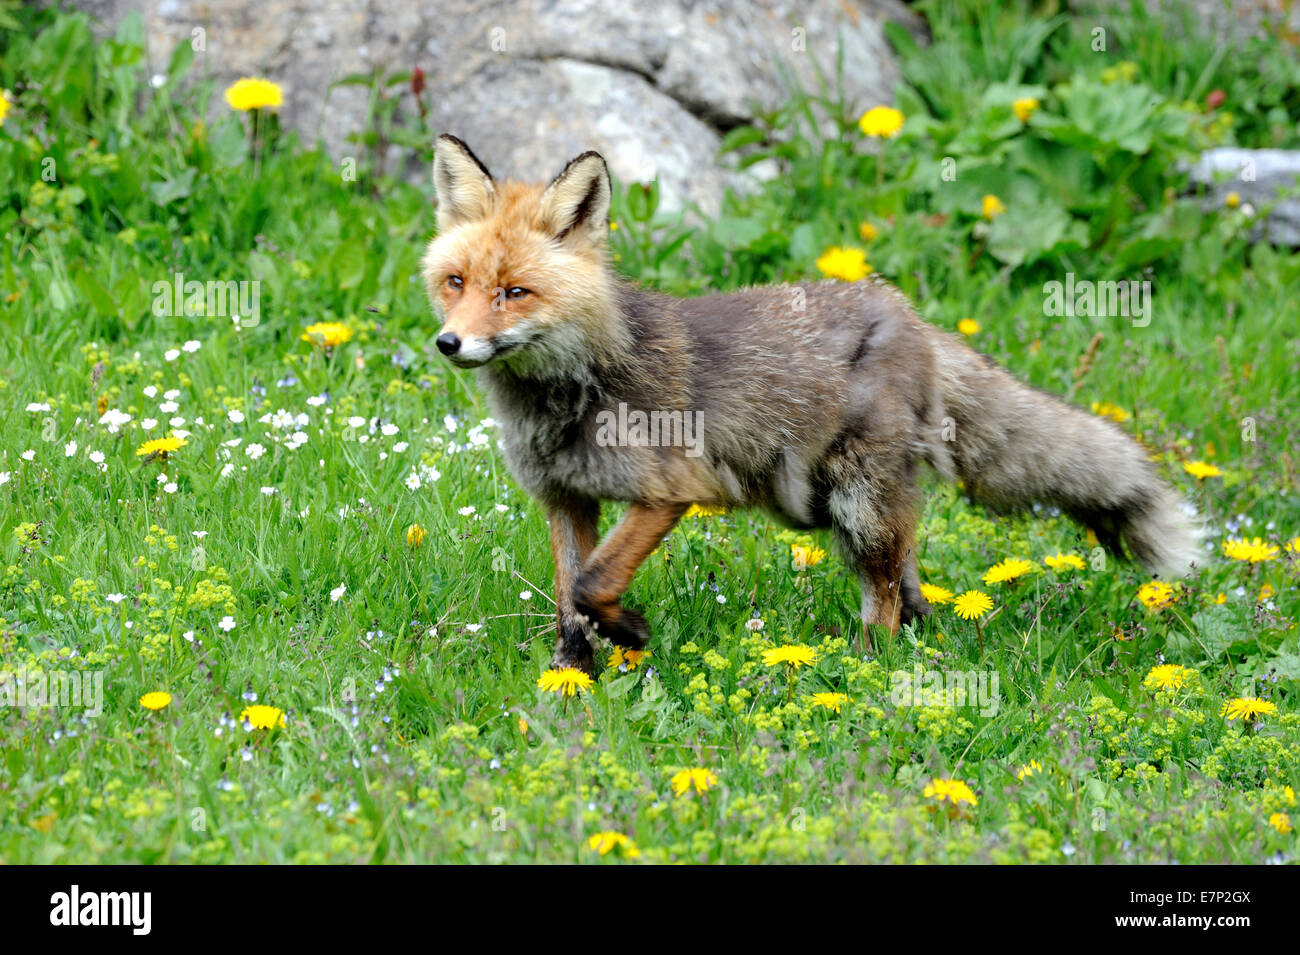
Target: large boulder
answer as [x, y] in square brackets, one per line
[1260, 178]
[652, 84]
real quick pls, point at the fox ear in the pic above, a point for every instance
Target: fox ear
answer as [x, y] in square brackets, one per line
[465, 187]
[577, 200]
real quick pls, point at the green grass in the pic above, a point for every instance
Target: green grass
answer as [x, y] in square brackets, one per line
[404, 696]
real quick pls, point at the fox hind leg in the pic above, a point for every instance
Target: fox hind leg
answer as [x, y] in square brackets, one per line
[874, 526]
[915, 606]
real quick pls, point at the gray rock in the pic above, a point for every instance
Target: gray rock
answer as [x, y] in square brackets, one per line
[652, 84]
[1257, 176]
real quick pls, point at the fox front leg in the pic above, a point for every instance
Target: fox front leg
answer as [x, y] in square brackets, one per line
[573, 538]
[608, 572]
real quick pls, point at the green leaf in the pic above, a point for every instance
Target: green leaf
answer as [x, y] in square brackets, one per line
[740, 137]
[179, 65]
[348, 265]
[178, 187]
[803, 243]
[357, 79]
[1105, 689]
[95, 293]
[620, 686]
[1024, 233]
[1218, 629]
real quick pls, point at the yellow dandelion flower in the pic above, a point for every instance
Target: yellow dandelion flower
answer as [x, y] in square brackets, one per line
[1024, 108]
[327, 334]
[623, 657]
[607, 842]
[160, 447]
[1293, 546]
[1220, 598]
[155, 700]
[704, 510]
[867, 231]
[415, 535]
[523, 726]
[1267, 592]
[936, 594]
[5, 103]
[1031, 768]
[1281, 822]
[1247, 708]
[968, 326]
[1108, 410]
[883, 122]
[1007, 570]
[1065, 562]
[950, 790]
[830, 701]
[1156, 595]
[991, 207]
[262, 717]
[847, 264]
[1169, 676]
[1201, 470]
[972, 605]
[253, 93]
[699, 779]
[1252, 551]
[567, 681]
[792, 653]
[804, 557]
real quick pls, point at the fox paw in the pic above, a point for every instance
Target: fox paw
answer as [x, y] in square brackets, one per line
[914, 609]
[619, 625]
[629, 630]
[573, 649]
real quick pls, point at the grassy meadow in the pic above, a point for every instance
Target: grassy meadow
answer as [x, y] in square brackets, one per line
[319, 607]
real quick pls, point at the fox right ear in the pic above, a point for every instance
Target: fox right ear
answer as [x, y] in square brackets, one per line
[465, 187]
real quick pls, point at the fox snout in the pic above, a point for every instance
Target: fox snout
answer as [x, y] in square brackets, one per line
[467, 352]
[449, 343]
[474, 331]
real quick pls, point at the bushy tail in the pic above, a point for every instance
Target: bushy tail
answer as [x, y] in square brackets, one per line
[1014, 446]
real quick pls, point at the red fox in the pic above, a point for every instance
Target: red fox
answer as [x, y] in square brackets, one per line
[817, 401]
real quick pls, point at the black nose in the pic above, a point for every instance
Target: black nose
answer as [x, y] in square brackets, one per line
[449, 343]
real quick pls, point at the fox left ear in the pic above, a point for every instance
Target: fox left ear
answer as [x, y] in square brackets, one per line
[577, 200]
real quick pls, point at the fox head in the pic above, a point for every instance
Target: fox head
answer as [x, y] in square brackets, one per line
[517, 272]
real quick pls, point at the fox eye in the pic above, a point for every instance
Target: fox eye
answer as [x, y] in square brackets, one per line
[516, 291]
[455, 281]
